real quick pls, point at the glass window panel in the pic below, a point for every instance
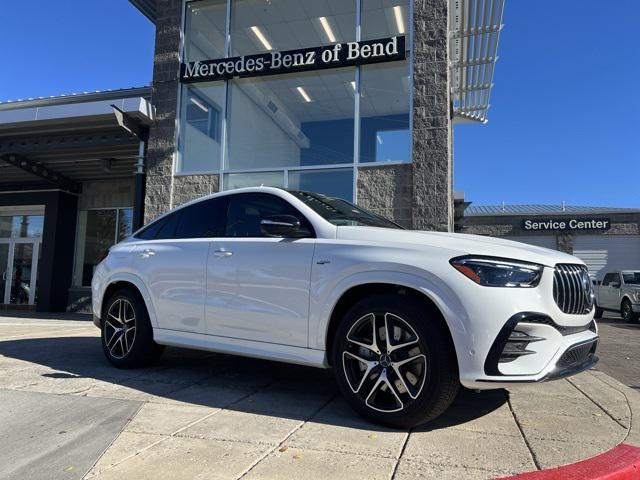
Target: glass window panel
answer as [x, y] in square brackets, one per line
[205, 30]
[204, 219]
[257, 179]
[100, 235]
[384, 18]
[246, 211]
[336, 182]
[21, 277]
[125, 223]
[291, 120]
[385, 135]
[201, 127]
[21, 226]
[260, 26]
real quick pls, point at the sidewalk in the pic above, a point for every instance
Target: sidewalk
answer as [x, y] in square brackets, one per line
[220, 416]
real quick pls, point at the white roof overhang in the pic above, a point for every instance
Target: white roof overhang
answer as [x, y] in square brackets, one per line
[475, 27]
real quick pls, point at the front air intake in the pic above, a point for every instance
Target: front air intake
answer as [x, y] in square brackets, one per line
[572, 289]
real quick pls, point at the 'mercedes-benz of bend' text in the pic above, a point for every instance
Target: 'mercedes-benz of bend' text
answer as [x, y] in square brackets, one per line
[403, 317]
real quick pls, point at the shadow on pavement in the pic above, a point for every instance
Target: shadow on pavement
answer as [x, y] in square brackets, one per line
[215, 380]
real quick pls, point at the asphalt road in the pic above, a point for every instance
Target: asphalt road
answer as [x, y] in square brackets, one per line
[619, 350]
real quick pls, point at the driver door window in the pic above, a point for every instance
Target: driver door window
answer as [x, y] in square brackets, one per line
[258, 286]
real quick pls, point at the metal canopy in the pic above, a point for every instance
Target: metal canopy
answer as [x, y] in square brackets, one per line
[63, 141]
[475, 31]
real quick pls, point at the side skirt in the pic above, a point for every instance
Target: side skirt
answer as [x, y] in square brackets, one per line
[245, 348]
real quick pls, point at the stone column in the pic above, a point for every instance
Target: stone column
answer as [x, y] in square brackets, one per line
[432, 195]
[162, 144]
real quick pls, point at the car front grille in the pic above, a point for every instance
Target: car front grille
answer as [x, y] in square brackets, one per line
[572, 289]
[577, 354]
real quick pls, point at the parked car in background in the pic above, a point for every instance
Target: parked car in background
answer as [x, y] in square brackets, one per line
[619, 291]
[403, 317]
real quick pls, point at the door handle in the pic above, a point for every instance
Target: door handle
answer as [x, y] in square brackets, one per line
[146, 253]
[223, 252]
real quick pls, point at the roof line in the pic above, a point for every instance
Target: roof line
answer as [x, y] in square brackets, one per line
[99, 95]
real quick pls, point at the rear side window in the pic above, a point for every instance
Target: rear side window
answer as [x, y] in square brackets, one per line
[202, 220]
[152, 230]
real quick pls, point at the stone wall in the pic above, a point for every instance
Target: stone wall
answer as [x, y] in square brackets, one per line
[189, 187]
[387, 191]
[162, 138]
[432, 189]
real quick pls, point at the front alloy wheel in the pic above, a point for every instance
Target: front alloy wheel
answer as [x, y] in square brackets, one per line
[383, 362]
[394, 360]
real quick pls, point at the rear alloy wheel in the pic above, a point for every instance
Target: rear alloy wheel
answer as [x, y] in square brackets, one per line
[393, 366]
[127, 335]
[120, 328]
[626, 311]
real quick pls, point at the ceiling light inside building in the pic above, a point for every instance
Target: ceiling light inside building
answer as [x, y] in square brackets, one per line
[397, 12]
[260, 36]
[198, 104]
[303, 94]
[327, 29]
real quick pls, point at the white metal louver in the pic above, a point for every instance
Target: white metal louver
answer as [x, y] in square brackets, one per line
[474, 33]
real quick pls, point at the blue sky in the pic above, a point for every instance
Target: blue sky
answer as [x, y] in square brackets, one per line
[565, 118]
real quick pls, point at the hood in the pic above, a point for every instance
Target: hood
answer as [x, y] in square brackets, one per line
[462, 244]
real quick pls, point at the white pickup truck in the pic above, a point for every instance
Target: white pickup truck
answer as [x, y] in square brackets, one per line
[619, 291]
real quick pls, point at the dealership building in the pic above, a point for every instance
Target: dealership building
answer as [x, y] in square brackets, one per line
[604, 238]
[350, 98]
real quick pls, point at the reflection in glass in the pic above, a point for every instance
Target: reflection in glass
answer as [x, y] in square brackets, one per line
[291, 120]
[21, 273]
[99, 230]
[4, 263]
[336, 182]
[260, 26]
[384, 18]
[257, 179]
[21, 226]
[201, 127]
[385, 134]
[205, 30]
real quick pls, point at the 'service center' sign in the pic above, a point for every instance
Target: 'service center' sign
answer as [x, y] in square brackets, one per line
[566, 224]
[276, 62]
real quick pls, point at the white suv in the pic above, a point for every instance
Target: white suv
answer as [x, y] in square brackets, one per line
[403, 317]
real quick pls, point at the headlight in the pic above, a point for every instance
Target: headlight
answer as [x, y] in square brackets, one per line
[498, 272]
[636, 296]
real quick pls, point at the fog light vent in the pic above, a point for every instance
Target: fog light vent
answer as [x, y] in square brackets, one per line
[516, 346]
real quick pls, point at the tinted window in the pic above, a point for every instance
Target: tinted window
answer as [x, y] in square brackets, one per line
[152, 230]
[169, 228]
[246, 211]
[631, 278]
[202, 220]
[610, 278]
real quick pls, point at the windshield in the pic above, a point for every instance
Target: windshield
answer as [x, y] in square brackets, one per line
[632, 278]
[342, 213]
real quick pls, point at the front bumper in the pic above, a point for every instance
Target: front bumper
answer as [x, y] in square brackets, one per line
[635, 307]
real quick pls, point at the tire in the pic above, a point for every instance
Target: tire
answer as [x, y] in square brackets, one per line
[134, 347]
[406, 385]
[598, 313]
[626, 312]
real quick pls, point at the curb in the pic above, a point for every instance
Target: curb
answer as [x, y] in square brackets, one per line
[620, 463]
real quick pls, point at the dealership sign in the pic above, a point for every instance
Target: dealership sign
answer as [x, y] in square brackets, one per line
[566, 224]
[289, 61]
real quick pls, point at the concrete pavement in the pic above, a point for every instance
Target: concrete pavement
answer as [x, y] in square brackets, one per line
[201, 415]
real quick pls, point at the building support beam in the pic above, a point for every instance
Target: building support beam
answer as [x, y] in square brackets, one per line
[41, 171]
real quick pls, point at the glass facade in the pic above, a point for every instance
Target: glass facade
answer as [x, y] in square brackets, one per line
[301, 130]
[98, 230]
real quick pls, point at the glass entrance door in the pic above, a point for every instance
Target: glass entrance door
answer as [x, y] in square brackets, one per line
[18, 268]
[4, 267]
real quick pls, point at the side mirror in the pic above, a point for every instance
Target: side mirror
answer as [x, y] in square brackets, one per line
[286, 226]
